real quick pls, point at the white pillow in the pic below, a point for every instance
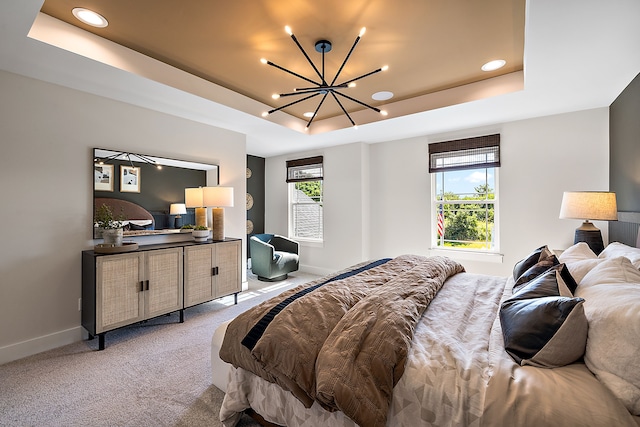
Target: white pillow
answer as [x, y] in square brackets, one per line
[579, 269]
[617, 249]
[578, 252]
[613, 338]
[610, 271]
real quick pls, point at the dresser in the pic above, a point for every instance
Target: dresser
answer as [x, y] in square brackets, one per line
[125, 288]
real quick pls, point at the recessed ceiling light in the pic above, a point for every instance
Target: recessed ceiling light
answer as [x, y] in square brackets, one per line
[494, 65]
[90, 17]
[382, 95]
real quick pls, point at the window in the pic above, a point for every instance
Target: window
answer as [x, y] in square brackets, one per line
[305, 198]
[464, 176]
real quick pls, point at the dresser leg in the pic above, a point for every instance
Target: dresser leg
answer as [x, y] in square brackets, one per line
[181, 316]
[101, 341]
[235, 298]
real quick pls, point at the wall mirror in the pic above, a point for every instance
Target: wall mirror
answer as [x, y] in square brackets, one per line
[141, 189]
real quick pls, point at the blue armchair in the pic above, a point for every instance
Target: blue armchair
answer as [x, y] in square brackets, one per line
[273, 256]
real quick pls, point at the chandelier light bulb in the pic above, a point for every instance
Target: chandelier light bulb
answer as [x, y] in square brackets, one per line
[275, 96]
[265, 114]
[288, 30]
[264, 61]
[352, 84]
[383, 112]
[362, 31]
[385, 68]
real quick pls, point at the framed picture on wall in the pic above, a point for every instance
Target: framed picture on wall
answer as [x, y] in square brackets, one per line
[129, 179]
[103, 177]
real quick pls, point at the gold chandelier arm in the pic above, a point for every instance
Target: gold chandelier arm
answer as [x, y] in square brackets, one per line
[292, 103]
[343, 109]
[346, 59]
[359, 102]
[317, 108]
[362, 76]
[292, 72]
[308, 59]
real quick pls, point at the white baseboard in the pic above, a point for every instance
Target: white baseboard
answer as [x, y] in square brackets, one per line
[33, 346]
[315, 270]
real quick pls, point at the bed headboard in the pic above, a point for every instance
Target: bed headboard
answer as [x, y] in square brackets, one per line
[130, 210]
[625, 229]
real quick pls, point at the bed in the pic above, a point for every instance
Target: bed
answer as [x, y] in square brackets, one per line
[472, 357]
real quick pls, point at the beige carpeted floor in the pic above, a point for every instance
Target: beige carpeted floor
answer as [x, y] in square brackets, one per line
[156, 373]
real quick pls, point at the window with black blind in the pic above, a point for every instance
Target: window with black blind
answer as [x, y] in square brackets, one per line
[464, 175]
[304, 177]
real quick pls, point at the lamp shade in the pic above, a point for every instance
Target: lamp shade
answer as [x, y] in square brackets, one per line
[218, 196]
[177, 209]
[589, 205]
[193, 197]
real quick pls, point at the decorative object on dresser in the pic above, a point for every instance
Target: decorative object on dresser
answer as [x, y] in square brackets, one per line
[122, 289]
[589, 205]
[218, 198]
[110, 225]
[200, 233]
[177, 209]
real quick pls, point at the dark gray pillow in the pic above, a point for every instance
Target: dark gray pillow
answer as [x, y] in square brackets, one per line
[542, 323]
[546, 332]
[533, 258]
[535, 270]
[540, 269]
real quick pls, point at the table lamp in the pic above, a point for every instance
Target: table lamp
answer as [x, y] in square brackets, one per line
[589, 205]
[193, 198]
[177, 209]
[218, 198]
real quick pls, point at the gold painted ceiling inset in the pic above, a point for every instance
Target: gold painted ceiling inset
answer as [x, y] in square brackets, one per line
[428, 45]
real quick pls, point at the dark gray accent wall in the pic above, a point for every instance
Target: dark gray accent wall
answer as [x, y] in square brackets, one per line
[624, 163]
[255, 192]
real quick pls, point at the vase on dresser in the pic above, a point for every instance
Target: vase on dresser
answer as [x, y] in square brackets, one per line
[112, 236]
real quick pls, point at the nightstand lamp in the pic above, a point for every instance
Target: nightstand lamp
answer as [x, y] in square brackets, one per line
[218, 198]
[589, 205]
[177, 209]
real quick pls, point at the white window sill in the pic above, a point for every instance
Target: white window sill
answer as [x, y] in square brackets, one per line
[309, 243]
[461, 255]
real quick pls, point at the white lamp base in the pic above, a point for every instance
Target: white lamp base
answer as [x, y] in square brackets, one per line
[218, 223]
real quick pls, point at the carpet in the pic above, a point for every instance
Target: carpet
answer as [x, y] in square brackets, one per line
[154, 373]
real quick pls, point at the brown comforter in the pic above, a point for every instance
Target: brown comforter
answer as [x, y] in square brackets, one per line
[345, 343]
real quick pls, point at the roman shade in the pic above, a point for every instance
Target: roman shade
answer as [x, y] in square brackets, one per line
[308, 169]
[468, 153]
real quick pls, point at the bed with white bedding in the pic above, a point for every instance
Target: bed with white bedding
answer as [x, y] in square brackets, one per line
[457, 371]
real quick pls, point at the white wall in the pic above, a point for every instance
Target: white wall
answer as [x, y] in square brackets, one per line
[48, 133]
[346, 206]
[541, 158]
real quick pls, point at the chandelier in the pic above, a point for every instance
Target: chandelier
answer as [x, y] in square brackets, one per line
[323, 87]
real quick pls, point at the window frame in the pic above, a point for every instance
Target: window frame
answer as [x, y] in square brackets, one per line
[467, 147]
[292, 165]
